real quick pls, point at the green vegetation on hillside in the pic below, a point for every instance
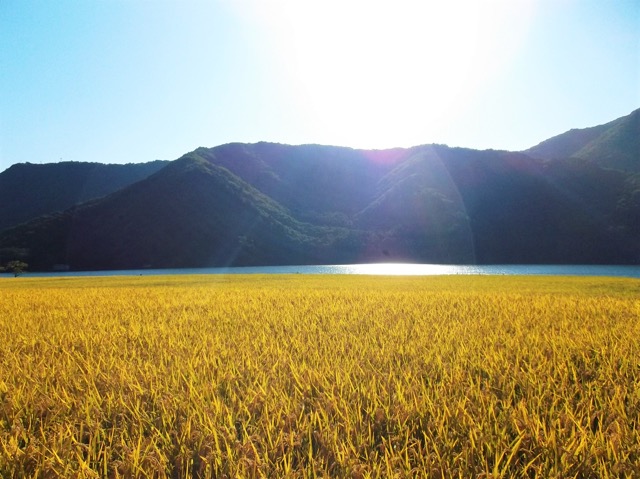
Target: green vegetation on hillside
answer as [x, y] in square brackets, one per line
[271, 204]
[613, 145]
[30, 190]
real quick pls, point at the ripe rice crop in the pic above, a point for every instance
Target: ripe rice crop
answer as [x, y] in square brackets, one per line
[319, 376]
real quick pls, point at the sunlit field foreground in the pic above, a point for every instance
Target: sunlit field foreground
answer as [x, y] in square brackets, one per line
[319, 376]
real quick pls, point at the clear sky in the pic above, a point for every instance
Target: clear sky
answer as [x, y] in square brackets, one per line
[120, 81]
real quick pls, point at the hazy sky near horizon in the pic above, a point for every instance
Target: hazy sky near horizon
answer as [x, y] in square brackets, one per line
[120, 81]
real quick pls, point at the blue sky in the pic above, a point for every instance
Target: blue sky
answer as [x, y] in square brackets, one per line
[120, 81]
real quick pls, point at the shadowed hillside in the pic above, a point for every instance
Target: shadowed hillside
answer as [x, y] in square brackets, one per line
[29, 190]
[613, 145]
[191, 213]
[272, 204]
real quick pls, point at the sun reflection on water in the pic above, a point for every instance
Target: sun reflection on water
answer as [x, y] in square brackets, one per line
[404, 269]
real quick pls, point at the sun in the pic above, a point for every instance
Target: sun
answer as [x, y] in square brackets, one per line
[379, 74]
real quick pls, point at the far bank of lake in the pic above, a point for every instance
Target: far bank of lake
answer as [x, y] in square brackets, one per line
[379, 269]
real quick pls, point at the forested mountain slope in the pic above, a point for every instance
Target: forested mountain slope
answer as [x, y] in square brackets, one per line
[30, 190]
[273, 204]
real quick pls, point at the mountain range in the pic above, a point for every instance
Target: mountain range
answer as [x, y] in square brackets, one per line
[613, 145]
[574, 198]
[31, 190]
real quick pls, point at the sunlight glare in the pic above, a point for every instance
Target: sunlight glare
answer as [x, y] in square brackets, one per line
[403, 269]
[379, 74]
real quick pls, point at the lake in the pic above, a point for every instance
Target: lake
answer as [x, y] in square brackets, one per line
[385, 269]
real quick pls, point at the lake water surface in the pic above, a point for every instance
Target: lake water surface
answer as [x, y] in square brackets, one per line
[384, 269]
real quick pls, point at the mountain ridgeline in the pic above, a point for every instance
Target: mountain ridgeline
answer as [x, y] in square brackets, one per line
[274, 204]
[30, 190]
[613, 145]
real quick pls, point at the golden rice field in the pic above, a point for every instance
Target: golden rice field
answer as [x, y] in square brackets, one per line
[319, 376]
